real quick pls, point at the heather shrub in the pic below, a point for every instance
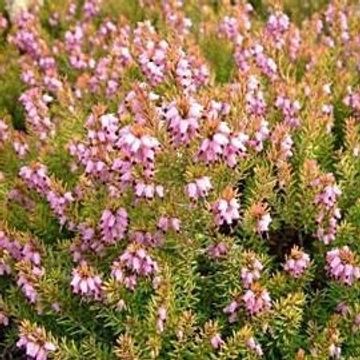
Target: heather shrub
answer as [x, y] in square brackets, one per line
[180, 180]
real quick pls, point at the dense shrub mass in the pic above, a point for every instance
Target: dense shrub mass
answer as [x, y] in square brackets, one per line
[180, 180]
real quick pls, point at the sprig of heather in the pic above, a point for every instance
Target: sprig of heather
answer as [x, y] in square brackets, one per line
[164, 168]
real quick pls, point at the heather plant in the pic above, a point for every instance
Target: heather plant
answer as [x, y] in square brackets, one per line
[180, 180]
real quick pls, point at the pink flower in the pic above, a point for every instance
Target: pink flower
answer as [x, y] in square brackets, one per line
[113, 225]
[232, 310]
[253, 345]
[182, 120]
[235, 148]
[27, 279]
[190, 72]
[4, 320]
[21, 147]
[147, 239]
[260, 134]
[152, 53]
[137, 145]
[352, 99]
[265, 63]
[255, 101]
[217, 251]
[165, 224]
[256, 299]
[133, 263]
[229, 27]
[85, 282]
[212, 147]
[341, 265]
[33, 339]
[297, 262]
[260, 215]
[37, 112]
[148, 191]
[36, 178]
[216, 341]
[199, 188]
[328, 213]
[263, 223]
[276, 27]
[251, 271]
[282, 142]
[59, 203]
[290, 110]
[226, 209]
[334, 351]
[13, 247]
[161, 319]
[343, 308]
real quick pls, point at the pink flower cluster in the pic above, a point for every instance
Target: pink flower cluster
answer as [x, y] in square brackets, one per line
[175, 17]
[113, 225]
[20, 146]
[199, 188]
[335, 351]
[148, 190]
[255, 101]
[229, 27]
[289, 109]
[161, 319]
[191, 73]
[226, 209]
[147, 238]
[222, 144]
[165, 224]
[11, 246]
[260, 215]
[256, 300]
[35, 344]
[259, 132]
[138, 146]
[282, 142]
[232, 310]
[342, 266]
[251, 271]
[276, 27]
[28, 264]
[216, 341]
[37, 112]
[37, 179]
[133, 263]
[218, 250]
[352, 99]
[253, 345]
[27, 280]
[152, 53]
[328, 213]
[297, 262]
[85, 282]
[182, 120]
[265, 63]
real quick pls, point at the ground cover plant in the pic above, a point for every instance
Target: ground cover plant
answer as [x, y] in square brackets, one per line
[180, 180]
